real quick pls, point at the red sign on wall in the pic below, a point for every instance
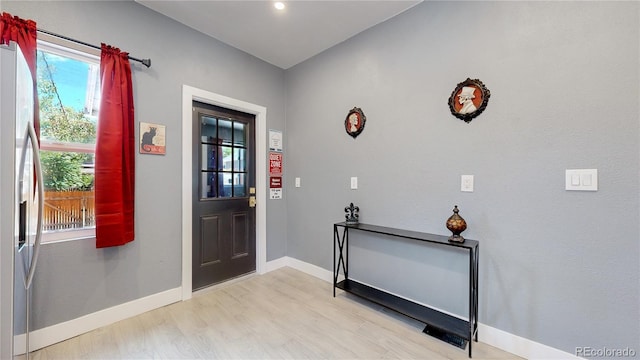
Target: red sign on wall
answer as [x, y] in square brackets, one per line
[275, 164]
[275, 182]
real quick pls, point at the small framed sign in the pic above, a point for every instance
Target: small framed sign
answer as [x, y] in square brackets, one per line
[152, 137]
[469, 99]
[275, 140]
[275, 163]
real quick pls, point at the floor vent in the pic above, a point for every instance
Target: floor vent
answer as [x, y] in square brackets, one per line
[447, 337]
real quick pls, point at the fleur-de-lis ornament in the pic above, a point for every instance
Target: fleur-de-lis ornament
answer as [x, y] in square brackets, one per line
[351, 214]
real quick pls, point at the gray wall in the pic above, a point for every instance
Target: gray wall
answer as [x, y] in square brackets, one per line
[74, 278]
[556, 267]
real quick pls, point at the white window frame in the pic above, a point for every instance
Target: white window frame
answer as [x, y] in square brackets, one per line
[64, 51]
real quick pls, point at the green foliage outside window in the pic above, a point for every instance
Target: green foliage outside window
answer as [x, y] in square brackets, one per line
[62, 170]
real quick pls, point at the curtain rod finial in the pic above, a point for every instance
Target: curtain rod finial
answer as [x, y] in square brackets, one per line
[146, 62]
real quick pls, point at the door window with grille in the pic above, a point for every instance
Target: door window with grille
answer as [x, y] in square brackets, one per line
[223, 144]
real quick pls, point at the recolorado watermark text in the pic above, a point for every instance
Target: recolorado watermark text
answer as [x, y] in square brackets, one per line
[604, 352]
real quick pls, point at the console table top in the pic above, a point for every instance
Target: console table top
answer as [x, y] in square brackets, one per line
[415, 235]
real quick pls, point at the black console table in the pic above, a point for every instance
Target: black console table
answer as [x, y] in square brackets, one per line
[446, 327]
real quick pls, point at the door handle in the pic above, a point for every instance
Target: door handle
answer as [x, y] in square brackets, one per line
[252, 201]
[30, 134]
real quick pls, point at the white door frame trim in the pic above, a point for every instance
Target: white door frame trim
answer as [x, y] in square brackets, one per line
[188, 95]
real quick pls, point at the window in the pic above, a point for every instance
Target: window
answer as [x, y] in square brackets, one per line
[69, 95]
[224, 153]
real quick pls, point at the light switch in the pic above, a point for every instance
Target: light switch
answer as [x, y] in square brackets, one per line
[354, 183]
[575, 179]
[297, 182]
[581, 179]
[466, 183]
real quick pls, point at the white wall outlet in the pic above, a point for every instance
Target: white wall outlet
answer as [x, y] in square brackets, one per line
[354, 183]
[466, 183]
[297, 182]
[581, 179]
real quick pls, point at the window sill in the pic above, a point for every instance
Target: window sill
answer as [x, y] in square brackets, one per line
[68, 235]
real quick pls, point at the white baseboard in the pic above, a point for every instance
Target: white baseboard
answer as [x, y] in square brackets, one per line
[500, 339]
[520, 346]
[305, 267]
[276, 264]
[310, 269]
[68, 329]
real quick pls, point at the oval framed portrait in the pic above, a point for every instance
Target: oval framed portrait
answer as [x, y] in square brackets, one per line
[469, 99]
[354, 122]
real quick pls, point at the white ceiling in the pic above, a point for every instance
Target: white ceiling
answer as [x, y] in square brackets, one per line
[281, 37]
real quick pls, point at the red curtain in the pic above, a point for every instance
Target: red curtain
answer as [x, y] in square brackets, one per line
[115, 151]
[23, 32]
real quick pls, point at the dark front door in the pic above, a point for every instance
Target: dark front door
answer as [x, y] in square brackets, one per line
[224, 225]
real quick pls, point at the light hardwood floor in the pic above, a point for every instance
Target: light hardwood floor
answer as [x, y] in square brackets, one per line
[284, 314]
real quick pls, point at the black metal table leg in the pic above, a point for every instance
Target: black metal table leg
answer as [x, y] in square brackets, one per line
[341, 255]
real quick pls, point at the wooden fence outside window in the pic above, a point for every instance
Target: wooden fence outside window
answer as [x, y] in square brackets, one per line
[66, 210]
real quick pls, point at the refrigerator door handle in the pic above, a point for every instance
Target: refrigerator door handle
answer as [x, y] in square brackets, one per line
[30, 134]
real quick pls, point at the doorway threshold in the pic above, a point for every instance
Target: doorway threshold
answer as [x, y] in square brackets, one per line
[224, 283]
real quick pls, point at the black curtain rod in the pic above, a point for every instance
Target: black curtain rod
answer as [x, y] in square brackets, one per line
[145, 62]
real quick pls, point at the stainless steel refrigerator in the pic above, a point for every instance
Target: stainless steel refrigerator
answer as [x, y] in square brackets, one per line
[21, 203]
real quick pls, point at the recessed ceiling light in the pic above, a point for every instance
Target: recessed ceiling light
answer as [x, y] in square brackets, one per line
[279, 5]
